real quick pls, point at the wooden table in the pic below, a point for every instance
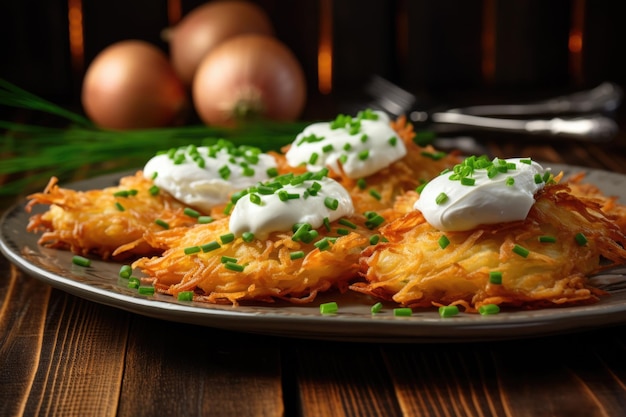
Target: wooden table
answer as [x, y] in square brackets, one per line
[62, 355]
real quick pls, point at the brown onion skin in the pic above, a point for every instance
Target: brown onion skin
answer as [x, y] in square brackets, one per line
[132, 85]
[252, 74]
[207, 26]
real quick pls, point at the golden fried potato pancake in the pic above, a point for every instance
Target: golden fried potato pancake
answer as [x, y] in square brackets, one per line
[610, 204]
[202, 260]
[542, 261]
[97, 222]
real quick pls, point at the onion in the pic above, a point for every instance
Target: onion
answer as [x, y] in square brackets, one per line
[249, 76]
[131, 84]
[208, 25]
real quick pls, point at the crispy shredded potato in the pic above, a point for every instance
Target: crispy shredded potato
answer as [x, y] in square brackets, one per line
[268, 271]
[413, 270]
[92, 223]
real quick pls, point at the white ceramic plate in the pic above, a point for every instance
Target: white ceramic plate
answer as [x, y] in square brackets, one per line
[353, 322]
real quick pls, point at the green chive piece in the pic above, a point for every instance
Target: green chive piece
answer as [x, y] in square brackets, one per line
[468, 181]
[225, 259]
[296, 255]
[448, 311]
[510, 181]
[154, 190]
[81, 261]
[205, 219]
[191, 250]
[272, 172]
[162, 223]
[119, 206]
[191, 212]
[247, 236]
[211, 246]
[331, 203]
[527, 161]
[329, 308]
[441, 198]
[146, 290]
[342, 232]
[402, 312]
[373, 220]
[495, 277]
[322, 244]
[538, 179]
[443, 241]
[375, 194]
[393, 140]
[347, 223]
[488, 309]
[125, 271]
[420, 188]
[581, 239]
[227, 238]
[133, 282]
[185, 296]
[234, 267]
[374, 239]
[363, 155]
[376, 308]
[521, 251]
[255, 199]
[361, 183]
[547, 239]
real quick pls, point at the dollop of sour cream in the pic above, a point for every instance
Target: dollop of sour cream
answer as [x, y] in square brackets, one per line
[206, 176]
[299, 201]
[361, 146]
[479, 191]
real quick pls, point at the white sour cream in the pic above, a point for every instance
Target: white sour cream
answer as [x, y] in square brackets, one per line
[507, 196]
[226, 169]
[361, 146]
[274, 214]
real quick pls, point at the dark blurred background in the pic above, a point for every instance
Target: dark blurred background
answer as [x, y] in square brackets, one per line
[441, 50]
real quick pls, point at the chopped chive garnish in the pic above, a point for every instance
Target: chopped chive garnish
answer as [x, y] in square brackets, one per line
[272, 172]
[227, 238]
[441, 198]
[125, 271]
[374, 220]
[322, 244]
[228, 208]
[402, 312]
[363, 155]
[313, 158]
[154, 190]
[255, 199]
[146, 290]
[347, 223]
[521, 251]
[361, 183]
[205, 219]
[374, 239]
[234, 267]
[393, 140]
[510, 181]
[191, 212]
[581, 239]
[468, 181]
[375, 194]
[443, 241]
[133, 282]
[331, 203]
[119, 206]
[495, 277]
[342, 232]
[420, 188]
[376, 308]
[547, 239]
[448, 311]
[538, 179]
[526, 161]
[211, 246]
[81, 261]
[247, 236]
[162, 223]
[191, 250]
[185, 296]
[225, 259]
[329, 308]
[296, 255]
[302, 230]
[487, 309]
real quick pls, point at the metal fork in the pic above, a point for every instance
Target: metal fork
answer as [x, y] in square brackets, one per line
[593, 126]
